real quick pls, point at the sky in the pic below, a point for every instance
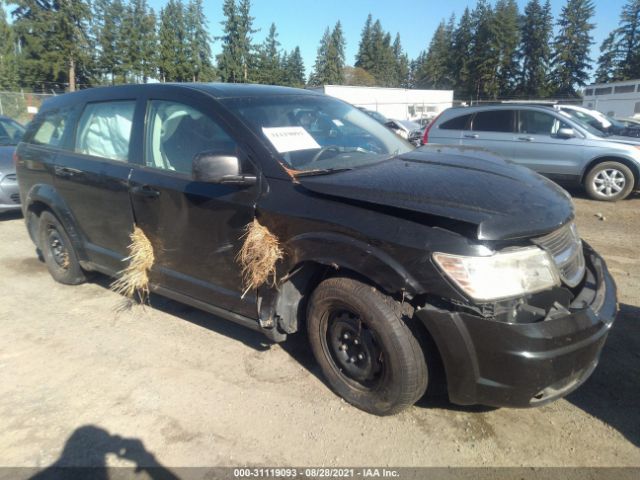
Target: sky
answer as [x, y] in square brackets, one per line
[302, 22]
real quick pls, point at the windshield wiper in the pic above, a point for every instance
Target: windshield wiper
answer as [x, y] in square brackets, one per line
[321, 171]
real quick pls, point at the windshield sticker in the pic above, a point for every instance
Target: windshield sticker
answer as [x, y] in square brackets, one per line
[290, 139]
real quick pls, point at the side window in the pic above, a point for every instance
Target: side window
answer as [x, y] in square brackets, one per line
[458, 123]
[104, 130]
[49, 127]
[533, 122]
[494, 121]
[177, 132]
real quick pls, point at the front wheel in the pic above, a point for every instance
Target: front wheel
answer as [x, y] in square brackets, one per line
[609, 181]
[366, 351]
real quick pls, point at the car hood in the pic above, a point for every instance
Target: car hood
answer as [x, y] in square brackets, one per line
[503, 200]
[6, 159]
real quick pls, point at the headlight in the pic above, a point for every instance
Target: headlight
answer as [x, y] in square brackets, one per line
[502, 275]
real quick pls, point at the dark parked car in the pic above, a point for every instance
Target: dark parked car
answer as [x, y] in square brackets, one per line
[10, 135]
[393, 260]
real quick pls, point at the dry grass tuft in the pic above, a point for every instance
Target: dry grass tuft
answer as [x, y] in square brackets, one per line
[258, 256]
[134, 280]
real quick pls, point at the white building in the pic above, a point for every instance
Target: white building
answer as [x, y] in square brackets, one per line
[395, 103]
[616, 99]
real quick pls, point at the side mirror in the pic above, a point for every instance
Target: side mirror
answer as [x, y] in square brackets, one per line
[566, 133]
[216, 167]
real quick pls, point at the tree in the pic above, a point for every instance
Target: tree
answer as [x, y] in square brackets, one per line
[485, 57]
[365, 57]
[8, 60]
[173, 59]
[462, 41]
[607, 64]
[358, 76]
[293, 69]
[628, 45]
[109, 16]
[431, 69]
[329, 65]
[535, 52]
[507, 38]
[269, 67]
[199, 49]
[402, 64]
[236, 58]
[571, 62]
[141, 43]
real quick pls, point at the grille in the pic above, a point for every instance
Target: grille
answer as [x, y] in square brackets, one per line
[565, 246]
[15, 198]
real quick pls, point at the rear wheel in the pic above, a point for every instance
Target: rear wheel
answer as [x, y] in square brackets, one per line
[367, 353]
[58, 252]
[609, 181]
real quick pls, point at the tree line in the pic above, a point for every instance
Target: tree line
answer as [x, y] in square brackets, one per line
[491, 51]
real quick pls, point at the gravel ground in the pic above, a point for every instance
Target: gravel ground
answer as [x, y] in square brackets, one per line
[80, 381]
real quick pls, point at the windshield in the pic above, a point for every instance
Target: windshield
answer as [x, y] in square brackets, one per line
[10, 132]
[313, 133]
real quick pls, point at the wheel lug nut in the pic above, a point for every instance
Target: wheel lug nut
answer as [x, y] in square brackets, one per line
[342, 347]
[356, 341]
[361, 356]
[352, 359]
[346, 336]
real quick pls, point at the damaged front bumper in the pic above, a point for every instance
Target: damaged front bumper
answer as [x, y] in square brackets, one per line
[523, 365]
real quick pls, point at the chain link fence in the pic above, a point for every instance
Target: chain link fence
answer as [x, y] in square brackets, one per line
[21, 106]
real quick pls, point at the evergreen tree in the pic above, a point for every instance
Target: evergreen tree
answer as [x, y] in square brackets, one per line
[365, 56]
[607, 64]
[506, 41]
[571, 62]
[8, 60]
[485, 57]
[173, 59]
[202, 69]
[141, 43]
[402, 64]
[269, 67]
[628, 45]
[329, 65]
[293, 68]
[460, 57]
[432, 68]
[535, 52]
[236, 58]
[109, 16]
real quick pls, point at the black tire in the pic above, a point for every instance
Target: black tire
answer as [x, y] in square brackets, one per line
[391, 373]
[58, 252]
[609, 181]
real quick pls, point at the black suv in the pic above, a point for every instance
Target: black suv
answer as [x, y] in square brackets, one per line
[394, 260]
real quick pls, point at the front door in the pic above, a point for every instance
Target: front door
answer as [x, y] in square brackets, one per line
[195, 227]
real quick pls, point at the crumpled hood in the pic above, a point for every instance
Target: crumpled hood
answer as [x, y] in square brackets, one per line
[504, 200]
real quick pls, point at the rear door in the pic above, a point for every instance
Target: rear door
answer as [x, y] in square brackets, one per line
[449, 132]
[194, 227]
[539, 147]
[92, 178]
[492, 130]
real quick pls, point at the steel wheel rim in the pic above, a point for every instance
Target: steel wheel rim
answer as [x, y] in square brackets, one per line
[354, 350]
[609, 182]
[58, 248]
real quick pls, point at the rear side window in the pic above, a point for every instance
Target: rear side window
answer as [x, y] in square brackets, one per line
[458, 123]
[540, 123]
[49, 127]
[104, 130]
[494, 121]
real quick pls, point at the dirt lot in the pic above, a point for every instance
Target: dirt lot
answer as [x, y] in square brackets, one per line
[77, 379]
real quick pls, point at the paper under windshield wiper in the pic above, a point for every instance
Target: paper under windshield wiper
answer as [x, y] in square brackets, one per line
[321, 171]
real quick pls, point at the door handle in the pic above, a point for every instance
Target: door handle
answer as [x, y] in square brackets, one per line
[470, 135]
[66, 171]
[145, 191]
[526, 139]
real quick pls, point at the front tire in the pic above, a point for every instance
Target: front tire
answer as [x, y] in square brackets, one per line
[366, 351]
[609, 181]
[58, 252]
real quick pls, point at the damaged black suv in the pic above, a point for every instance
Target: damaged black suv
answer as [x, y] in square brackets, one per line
[285, 210]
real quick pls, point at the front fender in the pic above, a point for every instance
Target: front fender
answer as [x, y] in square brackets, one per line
[341, 251]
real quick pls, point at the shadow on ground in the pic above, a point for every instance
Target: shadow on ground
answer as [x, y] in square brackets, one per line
[86, 451]
[611, 394]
